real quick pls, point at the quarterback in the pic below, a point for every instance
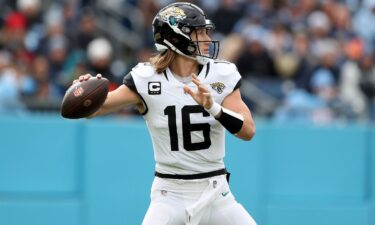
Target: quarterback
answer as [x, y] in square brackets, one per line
[188, 99]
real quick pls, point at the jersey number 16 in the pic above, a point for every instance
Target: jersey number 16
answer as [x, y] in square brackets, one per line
[188, 127]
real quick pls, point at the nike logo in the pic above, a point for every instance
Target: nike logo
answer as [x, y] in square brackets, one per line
[225, 193]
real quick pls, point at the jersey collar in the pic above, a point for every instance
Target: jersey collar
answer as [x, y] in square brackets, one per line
[203, 72]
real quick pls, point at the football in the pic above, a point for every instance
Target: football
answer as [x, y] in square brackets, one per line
[84, 98]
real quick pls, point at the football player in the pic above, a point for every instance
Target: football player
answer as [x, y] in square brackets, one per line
[188, 99]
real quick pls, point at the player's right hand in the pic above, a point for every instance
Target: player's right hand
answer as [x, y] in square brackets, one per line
[86, 77]
[202, 95]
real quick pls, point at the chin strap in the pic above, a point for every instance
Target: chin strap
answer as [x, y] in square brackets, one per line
[200, 59]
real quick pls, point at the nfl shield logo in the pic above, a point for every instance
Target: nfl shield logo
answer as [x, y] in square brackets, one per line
[78, 91]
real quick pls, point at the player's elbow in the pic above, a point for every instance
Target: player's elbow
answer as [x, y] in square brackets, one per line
[250, 134]
[247, 134]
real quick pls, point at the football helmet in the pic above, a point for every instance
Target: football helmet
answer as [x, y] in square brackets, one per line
[173, 26]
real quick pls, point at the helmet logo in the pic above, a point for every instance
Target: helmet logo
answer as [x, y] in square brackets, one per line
[174, 12]
[172, 20]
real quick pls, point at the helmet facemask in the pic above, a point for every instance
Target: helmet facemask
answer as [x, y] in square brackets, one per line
[213, 49]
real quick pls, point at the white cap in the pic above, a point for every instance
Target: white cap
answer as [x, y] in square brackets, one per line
[99, 48]
[319, 19]
[26, 4]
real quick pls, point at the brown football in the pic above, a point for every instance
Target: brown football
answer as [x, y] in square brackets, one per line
[84, 98]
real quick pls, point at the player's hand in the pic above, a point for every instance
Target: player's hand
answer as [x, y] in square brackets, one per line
[86, 77]
[202, 96]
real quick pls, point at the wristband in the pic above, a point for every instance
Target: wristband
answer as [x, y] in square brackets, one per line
[231, 121]
[215, 109]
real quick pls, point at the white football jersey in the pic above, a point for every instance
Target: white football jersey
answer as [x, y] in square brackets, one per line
[185, 137]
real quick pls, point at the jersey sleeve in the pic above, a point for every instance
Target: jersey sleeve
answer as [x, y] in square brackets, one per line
[237, 78]
[129, 82]
[238, 85]
[138, 76]
[228, 73]
[137, 80]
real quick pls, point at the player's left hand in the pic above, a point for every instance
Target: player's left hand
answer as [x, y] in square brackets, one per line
[202, 96]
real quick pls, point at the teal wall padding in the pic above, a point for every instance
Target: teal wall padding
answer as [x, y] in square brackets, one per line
[94, 172]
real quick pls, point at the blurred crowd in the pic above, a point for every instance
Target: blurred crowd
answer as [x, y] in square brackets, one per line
[307, 60]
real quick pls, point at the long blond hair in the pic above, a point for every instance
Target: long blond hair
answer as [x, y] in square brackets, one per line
[162, 60]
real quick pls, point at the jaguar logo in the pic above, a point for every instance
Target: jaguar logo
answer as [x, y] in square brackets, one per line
[174, 12]
[218, 87]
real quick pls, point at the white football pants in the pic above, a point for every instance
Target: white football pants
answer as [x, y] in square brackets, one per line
[194, 202]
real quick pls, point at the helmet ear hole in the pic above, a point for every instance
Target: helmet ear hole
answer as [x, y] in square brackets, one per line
[192, 49]
[186, 30]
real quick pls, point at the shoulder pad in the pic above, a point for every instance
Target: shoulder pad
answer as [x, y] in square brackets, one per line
[222, 67]
[143, 69]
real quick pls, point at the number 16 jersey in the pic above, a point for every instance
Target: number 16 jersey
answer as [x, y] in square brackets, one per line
[185, 137]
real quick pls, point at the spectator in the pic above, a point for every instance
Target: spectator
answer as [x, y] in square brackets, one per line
[13, 82]
[350, 79]
[87, 29]
[367, 83]
[14, 39]
[319, 26]
[31, 10]
[228, 13]
[321, 106]
[279, 46]
[301, 50]
[255, 60]
[99, 54]
[327, 52]
[278, 39]
[363, 23]
[44, 88]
